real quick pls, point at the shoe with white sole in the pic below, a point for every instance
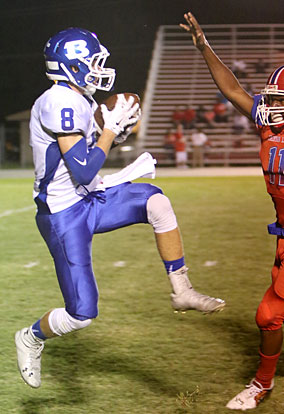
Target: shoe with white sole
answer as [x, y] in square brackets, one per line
[250, 397]
[29, 349]
[184, 297]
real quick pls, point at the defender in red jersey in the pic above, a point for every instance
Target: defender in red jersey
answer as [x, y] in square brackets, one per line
[267, 111]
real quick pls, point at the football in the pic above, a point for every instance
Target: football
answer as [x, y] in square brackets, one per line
[110, 104]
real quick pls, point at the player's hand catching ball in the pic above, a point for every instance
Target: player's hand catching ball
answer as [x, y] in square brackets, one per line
[122, 116]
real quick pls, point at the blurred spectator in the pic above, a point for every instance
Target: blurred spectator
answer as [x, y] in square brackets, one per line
[180, 147]
[178, 115]
[239, 68]
[221, 112]
[260, 66]
[199, 140]
[186, 116]
[240, 127]
[200, 113]
[240, 123]
[189, 118]
[169, 143]
[204, 116]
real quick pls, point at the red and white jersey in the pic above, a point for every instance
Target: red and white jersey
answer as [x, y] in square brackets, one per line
[272, 161]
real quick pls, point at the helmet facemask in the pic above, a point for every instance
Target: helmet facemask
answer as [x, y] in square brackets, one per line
[99, 77]
[269, 114]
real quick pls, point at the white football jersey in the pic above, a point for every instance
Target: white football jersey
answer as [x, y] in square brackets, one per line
[60, 109]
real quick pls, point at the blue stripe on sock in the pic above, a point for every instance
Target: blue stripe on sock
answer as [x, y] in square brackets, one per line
[37, 330]
[173, 265]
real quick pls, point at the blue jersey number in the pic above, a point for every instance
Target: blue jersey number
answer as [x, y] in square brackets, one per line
[67, 121]
[272, 158]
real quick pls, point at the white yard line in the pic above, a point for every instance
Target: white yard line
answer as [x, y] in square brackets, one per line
[30, 265]
[15, 211]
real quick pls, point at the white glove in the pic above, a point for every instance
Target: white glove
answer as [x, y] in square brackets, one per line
[119, 139]
[122, 115]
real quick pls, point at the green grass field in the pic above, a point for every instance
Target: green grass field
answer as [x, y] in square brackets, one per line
[138, 356]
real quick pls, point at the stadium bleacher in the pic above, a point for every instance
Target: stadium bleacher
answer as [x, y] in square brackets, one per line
[178, 76]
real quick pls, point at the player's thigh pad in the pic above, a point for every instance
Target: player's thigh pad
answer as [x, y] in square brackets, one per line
[270, 313]
[160, 213]
[124, 204]
[60, 322]
[68, 237]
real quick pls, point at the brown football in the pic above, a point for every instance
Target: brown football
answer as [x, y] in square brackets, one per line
[110, 104]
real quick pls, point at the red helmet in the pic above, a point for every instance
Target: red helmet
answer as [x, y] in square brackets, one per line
[272, 115]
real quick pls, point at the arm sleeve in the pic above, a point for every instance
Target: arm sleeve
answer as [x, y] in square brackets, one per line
[84, 165]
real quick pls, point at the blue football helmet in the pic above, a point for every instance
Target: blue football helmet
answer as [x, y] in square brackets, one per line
[76, 55]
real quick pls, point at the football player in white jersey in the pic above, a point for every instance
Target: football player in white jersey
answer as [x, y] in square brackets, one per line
[72, 202]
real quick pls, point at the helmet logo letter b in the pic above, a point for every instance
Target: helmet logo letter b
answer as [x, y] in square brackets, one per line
[75, 55]
[76, 49]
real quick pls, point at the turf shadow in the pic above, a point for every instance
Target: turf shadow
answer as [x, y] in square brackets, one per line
[70, 359]
[241, 336]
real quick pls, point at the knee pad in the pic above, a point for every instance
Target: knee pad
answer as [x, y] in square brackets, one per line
[160, 213]
[60, 322]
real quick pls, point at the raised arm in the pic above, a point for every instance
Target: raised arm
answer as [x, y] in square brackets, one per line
[221, 74]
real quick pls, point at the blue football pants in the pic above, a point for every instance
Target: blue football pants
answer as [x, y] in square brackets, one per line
[68, 235]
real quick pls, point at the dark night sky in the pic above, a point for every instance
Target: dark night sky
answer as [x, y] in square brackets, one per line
[126, 27]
